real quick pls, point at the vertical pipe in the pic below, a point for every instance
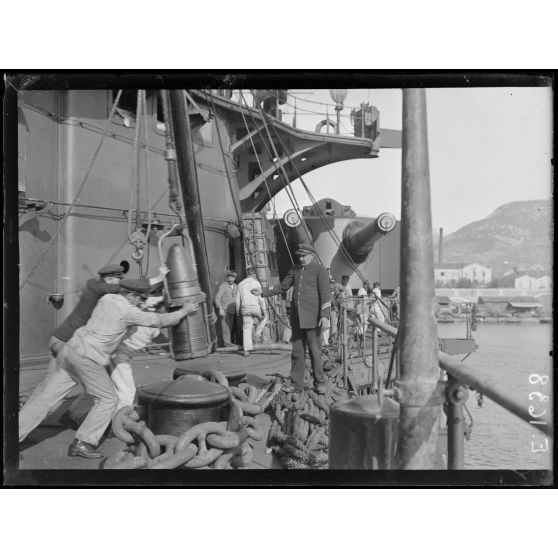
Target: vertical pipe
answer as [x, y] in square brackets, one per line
[420, 392]
[440, 245]
[170, 156]
[345, 356]
[374, 353]
[338, 123]
[11, 282]
[190, 195]
[455, 395]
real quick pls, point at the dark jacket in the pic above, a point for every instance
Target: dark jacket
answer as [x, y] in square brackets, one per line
[93, 291]
[225, 297]
[311, 295]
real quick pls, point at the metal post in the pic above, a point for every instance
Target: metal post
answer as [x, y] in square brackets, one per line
[420, 392]
[374, 354]
[170, 156]
[345, 356]
[191, 196]
[337, 127]
[456, 395]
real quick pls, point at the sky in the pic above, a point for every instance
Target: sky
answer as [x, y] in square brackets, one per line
[488, 147]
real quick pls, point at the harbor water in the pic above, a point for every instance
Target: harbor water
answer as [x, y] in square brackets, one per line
[517, 355]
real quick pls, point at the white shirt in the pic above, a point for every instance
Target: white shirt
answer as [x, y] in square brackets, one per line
[246, 302]
[109, 322]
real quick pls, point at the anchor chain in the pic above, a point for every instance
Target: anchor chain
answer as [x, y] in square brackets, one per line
[217, 445]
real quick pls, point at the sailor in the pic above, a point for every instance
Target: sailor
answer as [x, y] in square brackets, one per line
[363, 306]
[225, 304]
[377, 310]
[107, 283]
[136, 339]
[342, 289]
[121, 373]
[310, 311]
[84, 357]
[394, 314]
[251, 306]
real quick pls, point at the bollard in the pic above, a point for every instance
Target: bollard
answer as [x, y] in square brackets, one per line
[363, 433]
[175, 406]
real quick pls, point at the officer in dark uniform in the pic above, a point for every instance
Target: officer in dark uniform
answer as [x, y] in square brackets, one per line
[310, 311]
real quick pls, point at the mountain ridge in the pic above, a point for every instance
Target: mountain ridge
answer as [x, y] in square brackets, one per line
[518, 233]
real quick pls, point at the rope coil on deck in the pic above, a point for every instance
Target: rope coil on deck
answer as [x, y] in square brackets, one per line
[299, 433]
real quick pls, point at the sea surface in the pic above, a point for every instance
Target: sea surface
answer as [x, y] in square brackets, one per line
[514, 354]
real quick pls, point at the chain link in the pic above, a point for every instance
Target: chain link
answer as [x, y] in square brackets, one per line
[218, 445]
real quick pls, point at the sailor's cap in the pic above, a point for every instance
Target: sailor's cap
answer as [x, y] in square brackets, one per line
[136, 286]
[304, 249]
[231, 273]
[111, 269]
[154, 287]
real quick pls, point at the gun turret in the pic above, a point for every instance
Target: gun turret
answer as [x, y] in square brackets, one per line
[297, 233]
[359, 238]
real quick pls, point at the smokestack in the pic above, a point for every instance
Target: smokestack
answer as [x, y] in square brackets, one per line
[440, 244]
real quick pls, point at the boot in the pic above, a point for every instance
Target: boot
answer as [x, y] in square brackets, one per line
[83, 449]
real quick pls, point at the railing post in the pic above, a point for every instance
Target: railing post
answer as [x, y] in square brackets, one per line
[456, 395]
[374, 354]
[344, 341]
[420, 392]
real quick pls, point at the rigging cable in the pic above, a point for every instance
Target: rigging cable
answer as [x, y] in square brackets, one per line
[290, 193]
[274, 159]
[134, 177]
[170, 156]
[209, 100]
[239, 216]
[133, 237]
[147, 170]
[278, 317]
[330, 230]
[84, 182]
[268, 191]
[313, 200]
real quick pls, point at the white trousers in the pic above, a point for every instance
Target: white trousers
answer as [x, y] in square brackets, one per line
[46, 396]
[124, 385]
[248, 321]
[122, 377]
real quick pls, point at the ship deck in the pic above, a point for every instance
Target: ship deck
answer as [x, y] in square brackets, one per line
[46, 447]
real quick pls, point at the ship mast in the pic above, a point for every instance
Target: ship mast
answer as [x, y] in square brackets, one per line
[191, 196]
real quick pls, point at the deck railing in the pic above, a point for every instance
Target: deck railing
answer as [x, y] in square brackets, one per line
[463, 375]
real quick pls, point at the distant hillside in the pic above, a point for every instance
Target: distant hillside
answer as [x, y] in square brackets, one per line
[516, 233]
